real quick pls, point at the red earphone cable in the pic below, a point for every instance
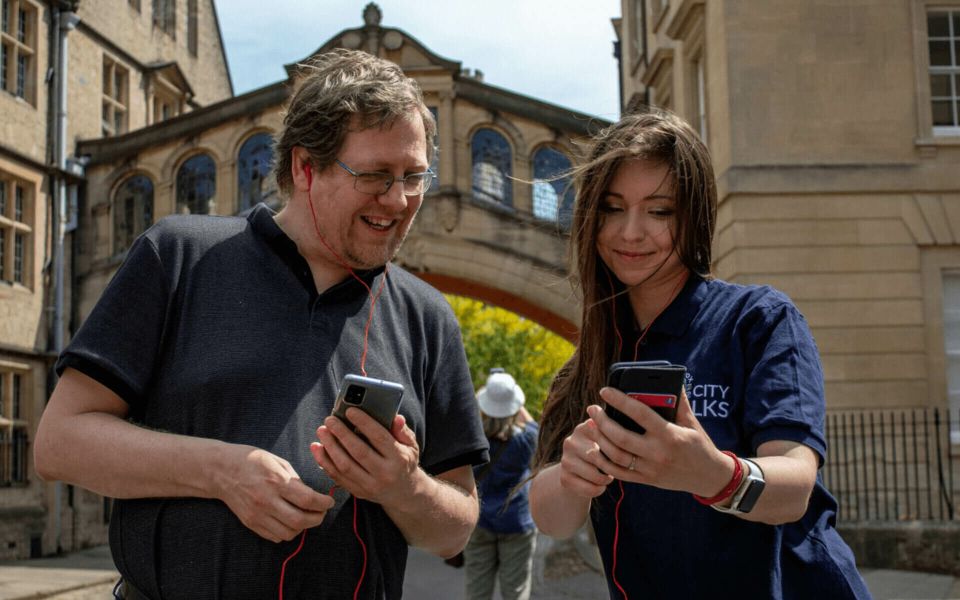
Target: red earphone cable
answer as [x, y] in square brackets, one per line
[356, 533]
[363, 359]
[636, 351]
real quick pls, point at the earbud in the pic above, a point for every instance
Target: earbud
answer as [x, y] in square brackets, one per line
[308, 173]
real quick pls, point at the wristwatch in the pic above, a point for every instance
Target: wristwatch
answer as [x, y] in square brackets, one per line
[749, 491]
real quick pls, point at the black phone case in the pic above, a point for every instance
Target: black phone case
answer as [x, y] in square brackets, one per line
[381, 399]
[645, 379]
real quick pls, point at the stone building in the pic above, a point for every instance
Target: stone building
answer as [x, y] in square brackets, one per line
[172, 138]
[835, 134]
[71, 71]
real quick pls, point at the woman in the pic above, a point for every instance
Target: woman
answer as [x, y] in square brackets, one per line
[749, 429]
[505, 538]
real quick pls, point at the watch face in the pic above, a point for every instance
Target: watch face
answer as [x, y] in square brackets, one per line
[750, 495]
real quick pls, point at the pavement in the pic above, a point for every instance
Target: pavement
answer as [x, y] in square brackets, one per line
[565, 569]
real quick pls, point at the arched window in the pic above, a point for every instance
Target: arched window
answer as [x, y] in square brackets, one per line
[132, 211]
[253, 172]
[492, 167]
[196, 185]
[552, 192]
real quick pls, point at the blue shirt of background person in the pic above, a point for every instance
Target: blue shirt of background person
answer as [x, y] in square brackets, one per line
[727, 501]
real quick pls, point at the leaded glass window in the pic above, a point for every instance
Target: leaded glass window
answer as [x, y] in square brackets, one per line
[943, 31]
[552, 192]
[492, 167]
[254, 163]
[18, 257]
[132, 211]
[197, 185]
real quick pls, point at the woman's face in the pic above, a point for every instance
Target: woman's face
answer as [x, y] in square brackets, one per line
[638, 224]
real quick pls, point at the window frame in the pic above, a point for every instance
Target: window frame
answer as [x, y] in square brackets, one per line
[548, 180]
[13, 427]
[268, 191]
[507, 202]
[114, 102]
[115, 207]
[16, 231]
[926, 134]
[164, 16]
[211, 202]
[19, 50]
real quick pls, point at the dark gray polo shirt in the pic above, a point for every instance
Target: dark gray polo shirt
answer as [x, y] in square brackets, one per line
[213, 327]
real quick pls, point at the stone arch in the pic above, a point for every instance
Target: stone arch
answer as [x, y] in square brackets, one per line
[459, 286]
[176, 159]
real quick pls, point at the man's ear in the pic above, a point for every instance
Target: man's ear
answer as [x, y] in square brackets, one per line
[301, 171]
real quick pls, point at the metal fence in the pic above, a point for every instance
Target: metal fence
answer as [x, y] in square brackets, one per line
[892, 465]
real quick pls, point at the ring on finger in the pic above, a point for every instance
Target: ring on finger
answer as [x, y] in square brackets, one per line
[633, 462]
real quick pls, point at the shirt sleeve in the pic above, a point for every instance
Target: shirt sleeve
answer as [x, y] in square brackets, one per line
[118, 342]
[454, 430]
[784, 394]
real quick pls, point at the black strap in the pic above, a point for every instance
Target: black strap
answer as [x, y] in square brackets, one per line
[485, 470]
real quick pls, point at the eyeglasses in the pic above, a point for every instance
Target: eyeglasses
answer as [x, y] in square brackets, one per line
[378, 183]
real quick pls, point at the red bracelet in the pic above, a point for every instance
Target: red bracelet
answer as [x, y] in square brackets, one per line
[730, 488]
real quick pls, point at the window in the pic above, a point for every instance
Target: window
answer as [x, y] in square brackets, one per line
[192, 33]
[197, 186]
[13, 424]
[165, 16]
[552, 192]
[15, 230]
[115, 97]
[132, 211]
[254, 163]
[492, 167]
[435, 161]
[951, 341]
[18, 42]
[699, 98]
[943, 40]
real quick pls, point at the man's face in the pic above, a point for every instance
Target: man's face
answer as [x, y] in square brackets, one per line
[366, 230]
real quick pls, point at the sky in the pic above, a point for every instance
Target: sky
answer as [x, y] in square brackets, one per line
[559, 51]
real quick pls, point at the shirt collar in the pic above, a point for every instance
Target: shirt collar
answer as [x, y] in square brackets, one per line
[676, 318]
[265, 227]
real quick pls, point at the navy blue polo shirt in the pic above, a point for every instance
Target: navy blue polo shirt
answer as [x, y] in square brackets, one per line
[753, 375]
[213, 327]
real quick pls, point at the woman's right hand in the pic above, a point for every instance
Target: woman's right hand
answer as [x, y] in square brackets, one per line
[583, 467]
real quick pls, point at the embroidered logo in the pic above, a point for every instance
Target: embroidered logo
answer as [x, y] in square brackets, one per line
[708, 400]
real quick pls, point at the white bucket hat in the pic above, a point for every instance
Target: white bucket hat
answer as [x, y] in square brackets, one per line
[501, 397]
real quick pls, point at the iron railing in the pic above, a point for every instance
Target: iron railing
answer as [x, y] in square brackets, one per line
[892, 465]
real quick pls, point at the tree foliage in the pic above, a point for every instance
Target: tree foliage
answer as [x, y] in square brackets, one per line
[495, 337]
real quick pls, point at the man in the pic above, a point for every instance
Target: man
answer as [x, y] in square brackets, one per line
[193, 390]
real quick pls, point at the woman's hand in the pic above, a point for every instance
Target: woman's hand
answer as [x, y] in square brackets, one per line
[671, 456]
[583, 467]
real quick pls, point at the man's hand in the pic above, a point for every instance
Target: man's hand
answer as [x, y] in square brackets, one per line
[384, 469]
[267, 495]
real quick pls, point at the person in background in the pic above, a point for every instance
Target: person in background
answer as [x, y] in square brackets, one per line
[727, 502]
[503, 543]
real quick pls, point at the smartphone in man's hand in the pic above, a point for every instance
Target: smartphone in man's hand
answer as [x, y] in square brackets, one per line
[378, 398]
[658, 384]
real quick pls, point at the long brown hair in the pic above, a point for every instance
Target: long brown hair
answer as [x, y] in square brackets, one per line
[659, 137]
